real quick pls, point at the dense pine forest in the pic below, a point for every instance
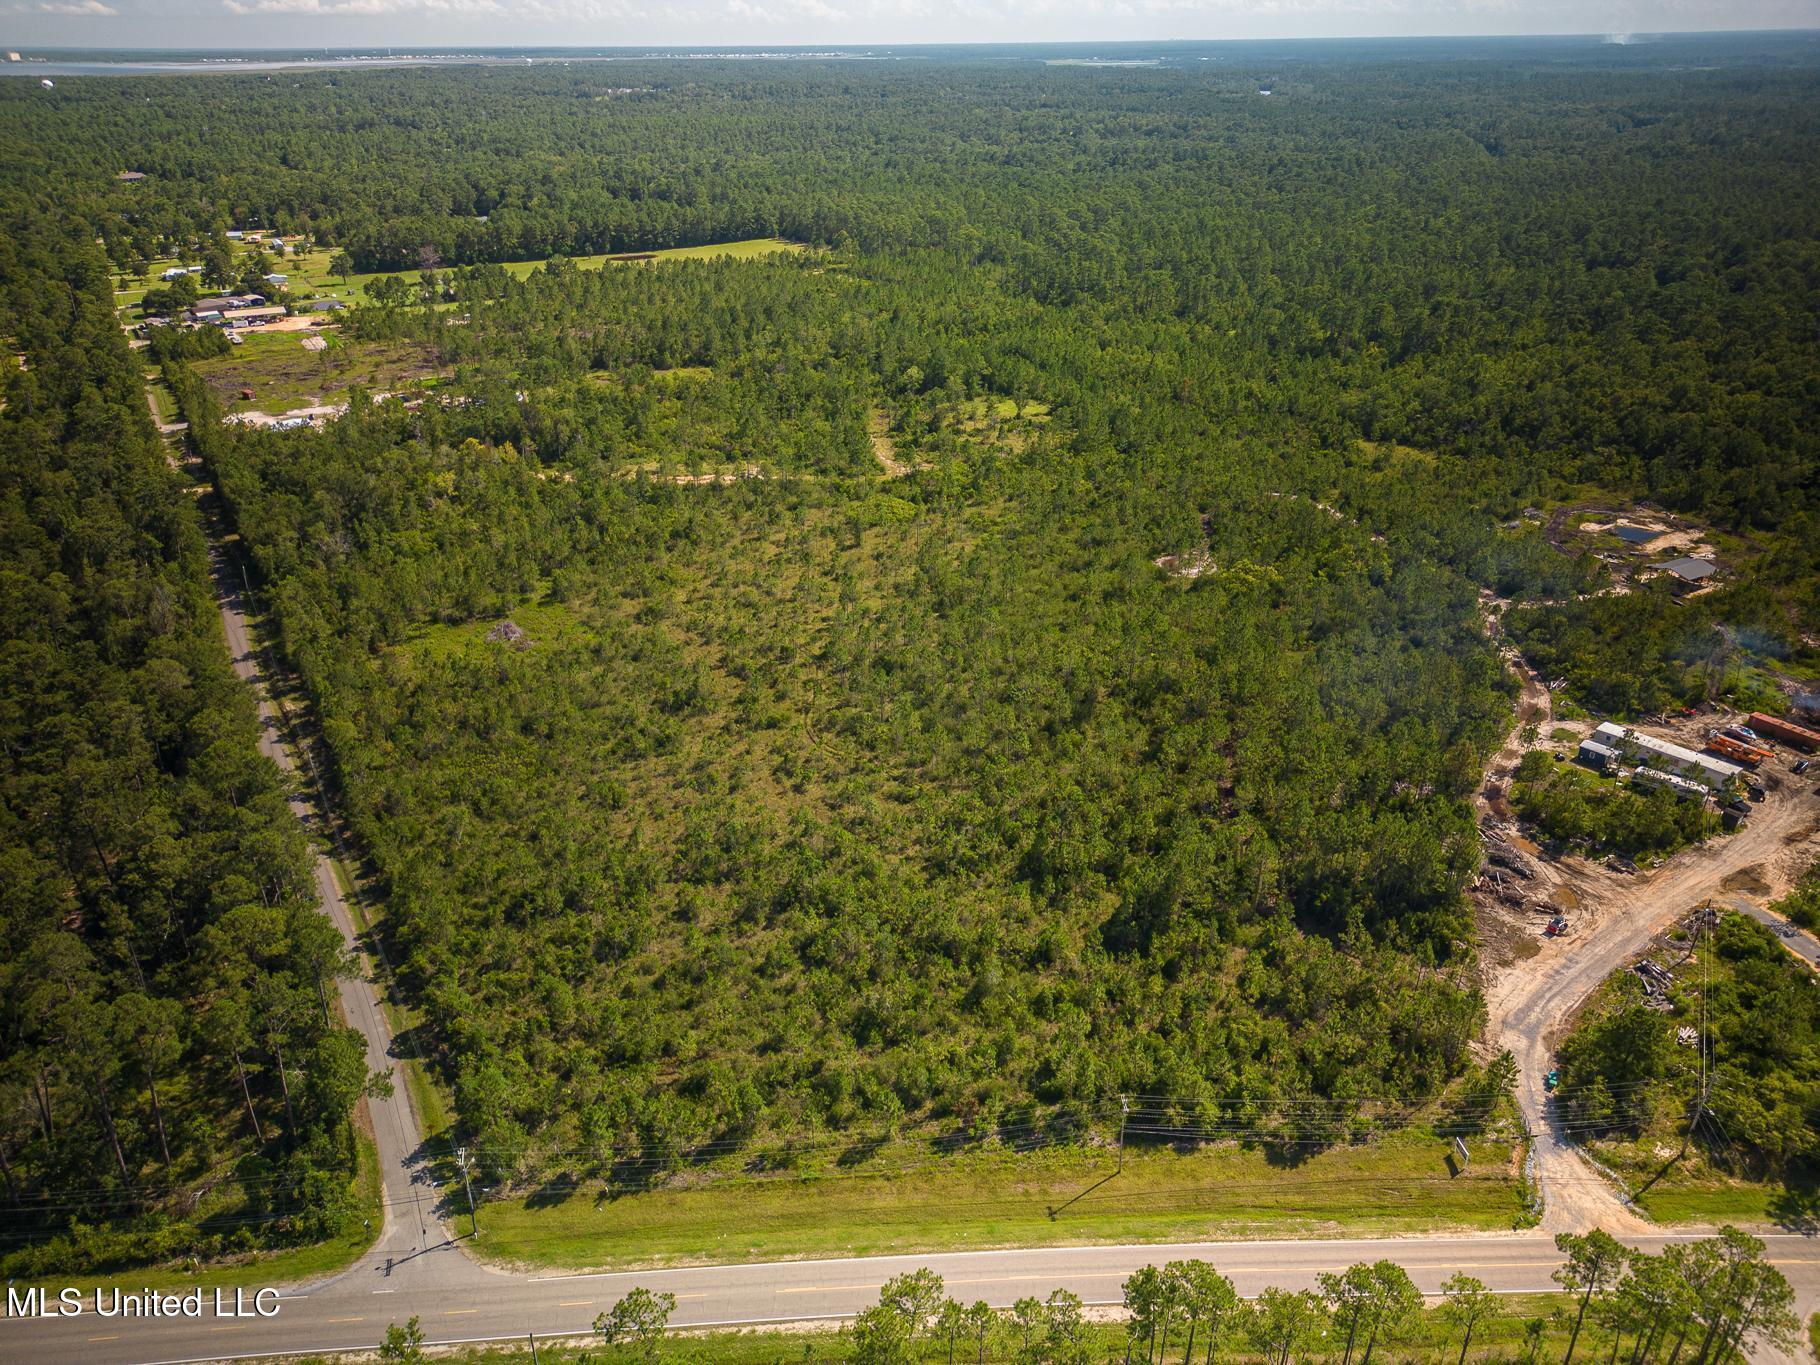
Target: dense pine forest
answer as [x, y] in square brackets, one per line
[1023, 648]
[164, 986]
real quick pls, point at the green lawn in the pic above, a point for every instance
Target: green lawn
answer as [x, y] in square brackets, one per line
[994, 1200]
[1690, 1190]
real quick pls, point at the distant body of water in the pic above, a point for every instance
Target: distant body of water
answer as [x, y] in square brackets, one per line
[1623, 50]
[151, 66]
[61, 63]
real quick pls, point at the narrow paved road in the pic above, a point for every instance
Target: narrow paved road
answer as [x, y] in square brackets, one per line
[1794, 938]
[413, 1244]
[411, 1225]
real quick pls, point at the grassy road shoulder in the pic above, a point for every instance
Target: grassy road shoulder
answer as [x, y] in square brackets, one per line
[981, 1201]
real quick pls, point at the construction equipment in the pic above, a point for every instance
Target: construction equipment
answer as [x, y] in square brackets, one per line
[1747, 754]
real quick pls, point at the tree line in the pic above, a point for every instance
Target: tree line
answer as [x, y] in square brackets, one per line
[173, 1081]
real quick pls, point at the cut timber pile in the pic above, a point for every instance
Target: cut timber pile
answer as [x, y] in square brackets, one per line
[1512, 860]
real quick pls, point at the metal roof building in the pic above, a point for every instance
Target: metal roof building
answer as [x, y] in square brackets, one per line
[1688, 569]
[1660, 753]
[1597, 755]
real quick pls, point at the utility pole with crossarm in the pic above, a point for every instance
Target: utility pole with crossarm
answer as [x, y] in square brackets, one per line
[461, 1156]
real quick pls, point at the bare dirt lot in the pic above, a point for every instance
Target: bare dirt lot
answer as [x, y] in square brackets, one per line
[1531, 995]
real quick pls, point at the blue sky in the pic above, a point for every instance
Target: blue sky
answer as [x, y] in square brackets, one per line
[443, 23]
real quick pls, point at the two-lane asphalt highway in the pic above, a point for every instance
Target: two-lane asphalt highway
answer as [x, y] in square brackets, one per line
[458, 1301]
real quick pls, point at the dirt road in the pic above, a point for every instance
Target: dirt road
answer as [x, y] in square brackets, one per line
[1529, 1000]
[1535, 706]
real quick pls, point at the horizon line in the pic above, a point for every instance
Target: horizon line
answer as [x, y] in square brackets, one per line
[468, 48]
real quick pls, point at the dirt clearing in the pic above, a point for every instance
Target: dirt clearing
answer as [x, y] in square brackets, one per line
[884, 449]
[286, 378]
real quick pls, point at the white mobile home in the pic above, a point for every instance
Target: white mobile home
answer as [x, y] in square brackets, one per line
[1647, 750]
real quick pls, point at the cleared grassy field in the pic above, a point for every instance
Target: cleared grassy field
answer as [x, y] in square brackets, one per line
[310, 277]
[283, 375]
[994, 1200]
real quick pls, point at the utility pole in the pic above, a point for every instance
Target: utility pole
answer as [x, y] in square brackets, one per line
[1700, 1043]
[533, 1339]
[461, 1156]
[1124, 1113]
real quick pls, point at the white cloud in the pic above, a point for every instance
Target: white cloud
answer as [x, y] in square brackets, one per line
[329, 8]
[785, 11]
[367, 23]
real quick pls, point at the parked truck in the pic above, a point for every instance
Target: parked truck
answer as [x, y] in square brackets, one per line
[1747, 754]
[1786, 731]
